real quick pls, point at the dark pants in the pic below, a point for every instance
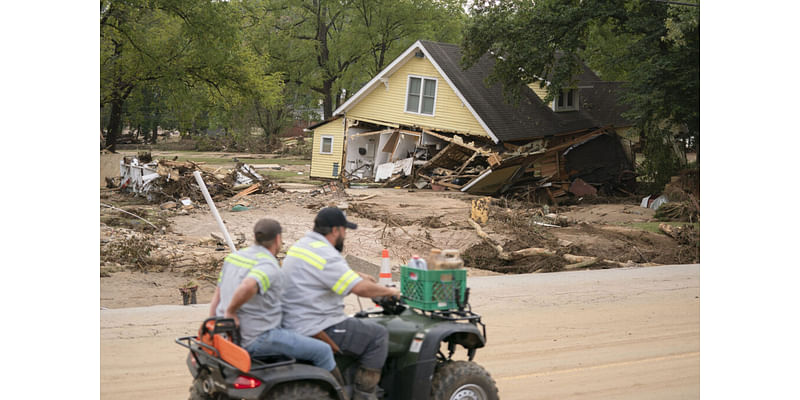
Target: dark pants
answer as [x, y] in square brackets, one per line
[364, 340]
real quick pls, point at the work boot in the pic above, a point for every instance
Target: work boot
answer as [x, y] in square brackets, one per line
[366, 383]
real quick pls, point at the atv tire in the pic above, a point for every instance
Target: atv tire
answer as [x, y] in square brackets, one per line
[462, 380]
[298, 391]
[196, 392]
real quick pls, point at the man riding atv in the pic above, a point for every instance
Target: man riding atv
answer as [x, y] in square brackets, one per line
[393, 353]
[249, 291]
[317, 280]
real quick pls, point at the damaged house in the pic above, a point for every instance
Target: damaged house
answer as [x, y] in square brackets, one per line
[423, 121]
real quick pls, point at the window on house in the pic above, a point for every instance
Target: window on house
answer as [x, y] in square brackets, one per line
[326, 146]
[567, 100]
[421, 98]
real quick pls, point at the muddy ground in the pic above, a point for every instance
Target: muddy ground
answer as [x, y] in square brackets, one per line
[143, 265]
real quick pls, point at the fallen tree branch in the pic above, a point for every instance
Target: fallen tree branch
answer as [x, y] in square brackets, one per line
[389, 220]
[132, 214]
[589, 262]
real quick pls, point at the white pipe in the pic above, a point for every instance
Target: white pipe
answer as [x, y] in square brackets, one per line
[199, 179]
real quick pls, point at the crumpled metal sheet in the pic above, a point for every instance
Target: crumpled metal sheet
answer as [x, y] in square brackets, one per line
[138, 178]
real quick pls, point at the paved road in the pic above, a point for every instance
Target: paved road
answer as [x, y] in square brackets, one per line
[604, 334]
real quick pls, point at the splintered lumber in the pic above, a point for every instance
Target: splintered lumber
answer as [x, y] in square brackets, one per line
[493, 160]
[466, 163]
[365, 198]
[251, 189]
[451, 140]
[450, 185]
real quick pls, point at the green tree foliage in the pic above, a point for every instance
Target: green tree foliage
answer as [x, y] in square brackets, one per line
[250, 65]
[654, 46]
[326, 46]
[180, 48]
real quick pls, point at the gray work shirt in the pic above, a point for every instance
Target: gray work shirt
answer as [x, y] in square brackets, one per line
[317, 278]
[263, 311]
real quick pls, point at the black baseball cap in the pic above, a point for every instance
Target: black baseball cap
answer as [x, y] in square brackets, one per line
[332, 216]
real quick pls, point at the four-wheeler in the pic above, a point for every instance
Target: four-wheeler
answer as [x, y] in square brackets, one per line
[416, 368]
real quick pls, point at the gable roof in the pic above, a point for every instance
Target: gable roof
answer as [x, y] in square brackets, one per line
[503, 121]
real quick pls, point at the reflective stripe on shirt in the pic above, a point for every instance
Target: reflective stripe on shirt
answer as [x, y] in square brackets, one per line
[344, 281]
[307, 256]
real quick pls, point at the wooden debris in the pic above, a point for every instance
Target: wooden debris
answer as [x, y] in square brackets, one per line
[250, 189]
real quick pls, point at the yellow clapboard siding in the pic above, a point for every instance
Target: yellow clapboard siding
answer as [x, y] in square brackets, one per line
[541, 92]
[389, 104]
[322, 164]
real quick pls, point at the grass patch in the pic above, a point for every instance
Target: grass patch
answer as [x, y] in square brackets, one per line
[653, 226]
[288, 176]
[229, 160]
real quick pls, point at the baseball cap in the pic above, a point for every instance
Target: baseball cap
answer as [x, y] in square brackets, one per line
[332, 216]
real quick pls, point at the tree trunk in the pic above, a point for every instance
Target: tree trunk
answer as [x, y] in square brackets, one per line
[114, 124]
[327, 99]
[154, 136]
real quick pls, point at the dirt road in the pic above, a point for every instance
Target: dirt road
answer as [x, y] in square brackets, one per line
[602, 334]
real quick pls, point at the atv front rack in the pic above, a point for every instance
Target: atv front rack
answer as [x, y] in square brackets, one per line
[455, 316]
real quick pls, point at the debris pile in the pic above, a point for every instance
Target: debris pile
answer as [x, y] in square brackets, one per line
[585, 163]
[123, 248]
[169, 180]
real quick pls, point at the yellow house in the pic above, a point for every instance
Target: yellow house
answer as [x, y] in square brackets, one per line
[424, 96]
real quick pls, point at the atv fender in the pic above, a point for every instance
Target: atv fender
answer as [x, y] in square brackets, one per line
[467, 335]
[271, 377]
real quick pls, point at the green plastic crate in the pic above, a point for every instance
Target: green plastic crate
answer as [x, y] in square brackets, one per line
[432, 290]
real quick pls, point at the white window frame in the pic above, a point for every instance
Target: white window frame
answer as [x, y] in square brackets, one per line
[421, 91]
[575, 101]
[322, 143]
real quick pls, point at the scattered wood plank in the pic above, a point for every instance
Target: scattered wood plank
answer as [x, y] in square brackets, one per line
[366, 198]
[450, 185]
[249, 190]
[466, 163]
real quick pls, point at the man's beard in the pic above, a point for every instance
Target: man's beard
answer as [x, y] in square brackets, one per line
[339, 244]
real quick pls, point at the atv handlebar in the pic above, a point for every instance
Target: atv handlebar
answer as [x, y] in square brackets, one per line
[392, 305]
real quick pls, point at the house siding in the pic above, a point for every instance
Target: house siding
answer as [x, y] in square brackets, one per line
[322, 164]
[541, 92]
[389, 104]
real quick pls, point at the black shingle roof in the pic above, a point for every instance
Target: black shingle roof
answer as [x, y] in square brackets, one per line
[530, 118]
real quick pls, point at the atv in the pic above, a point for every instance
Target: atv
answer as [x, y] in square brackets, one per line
[416, 367]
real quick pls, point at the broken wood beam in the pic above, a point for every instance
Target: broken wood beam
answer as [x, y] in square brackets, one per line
[365, 198]
[466, 163]
[447, 184]
[250, 189]
[451, 140]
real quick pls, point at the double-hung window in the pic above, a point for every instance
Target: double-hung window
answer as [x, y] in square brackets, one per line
[421, 95]
[326, 146]
[567, 100]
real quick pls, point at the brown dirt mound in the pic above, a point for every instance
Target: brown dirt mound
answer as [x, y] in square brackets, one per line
[367, 210]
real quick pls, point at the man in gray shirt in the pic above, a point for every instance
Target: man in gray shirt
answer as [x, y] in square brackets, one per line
[317, 280]
[249, 291]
